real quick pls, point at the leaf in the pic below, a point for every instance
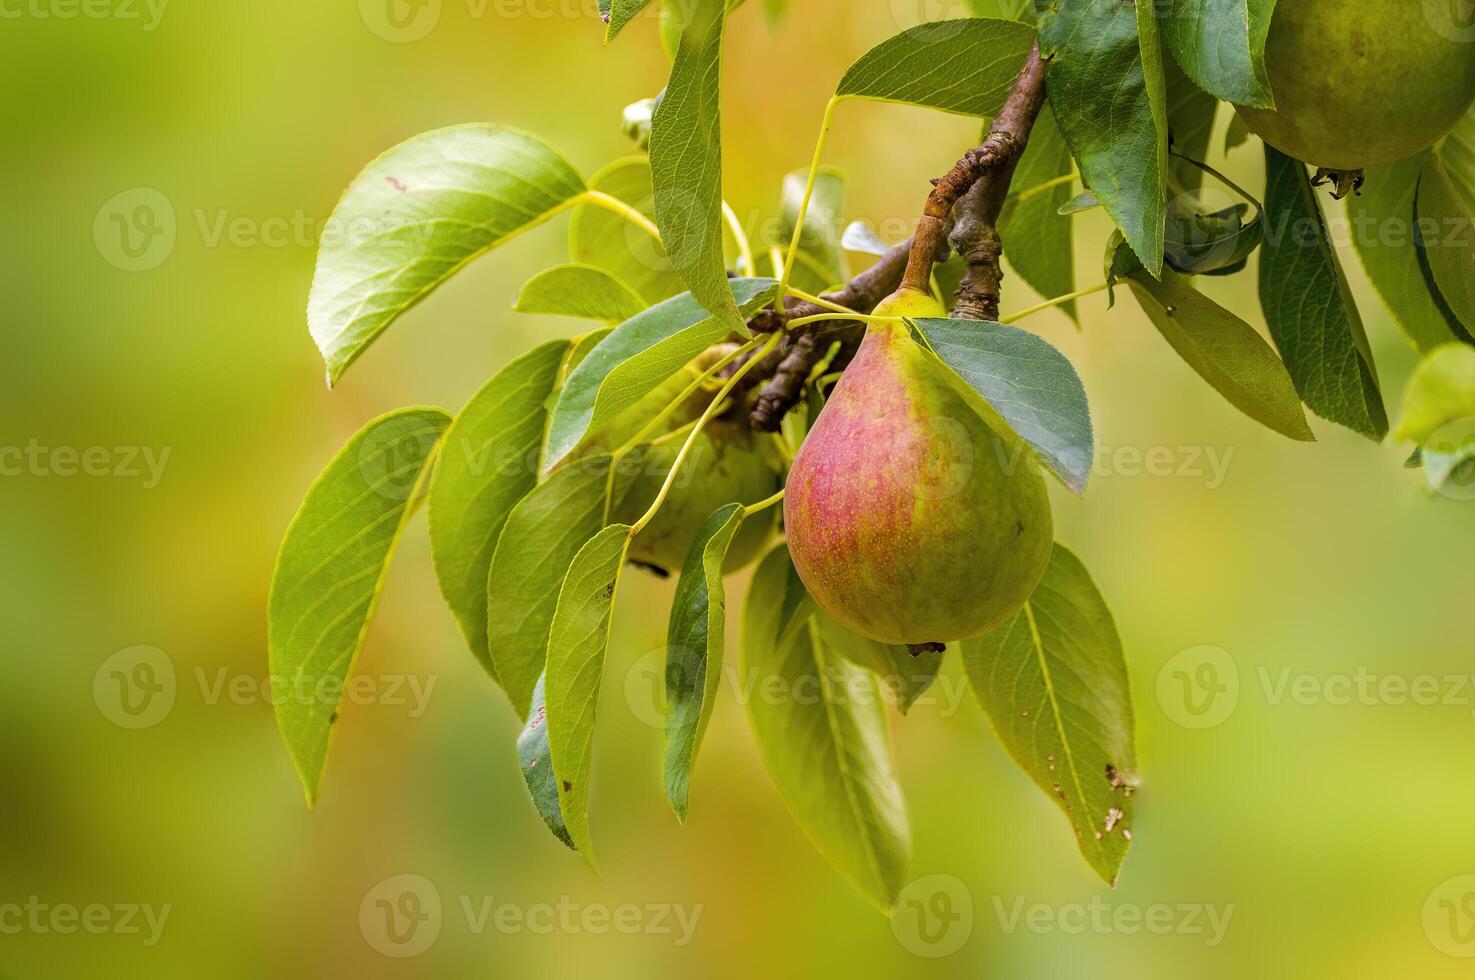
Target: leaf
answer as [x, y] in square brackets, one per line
[1221, 46]
[1108, 91]
[1084, 201]
[821, 729]
[540, 539]
[1383, 230]
[1446, 238]
[489, 462]
[581, 291]
[962, 66]
[695, 640]
[1309, 307]
[860, 237]
[619, 14]
[418, 214]
[905, 677]
[1053, 681]
[537, 766]
[636, 357]
[601, 238]
[1441, 391]
[1026, 381]
[821, 221]
[1191, 113]
[331, 570]
[1224, 350]
[686, 162]
[577, 642]
[1037, 235]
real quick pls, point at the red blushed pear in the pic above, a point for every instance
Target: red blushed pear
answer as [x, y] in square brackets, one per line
[910, 518]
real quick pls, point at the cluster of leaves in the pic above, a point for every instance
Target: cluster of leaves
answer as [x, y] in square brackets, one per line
[522, 482]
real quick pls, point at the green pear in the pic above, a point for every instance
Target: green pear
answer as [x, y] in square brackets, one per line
[1361, 84]
[726, 465]
[910, 518]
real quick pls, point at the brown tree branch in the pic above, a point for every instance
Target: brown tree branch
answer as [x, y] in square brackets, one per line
[972, 193]
[975, 234]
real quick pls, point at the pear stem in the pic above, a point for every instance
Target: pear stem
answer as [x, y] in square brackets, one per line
[740, 238]
[851, 315]
[819, 149]
[1049, 303]
[691, 439]
[630, 214]
[762, 505]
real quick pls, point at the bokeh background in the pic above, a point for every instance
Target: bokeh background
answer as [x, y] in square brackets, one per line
[1331, 836]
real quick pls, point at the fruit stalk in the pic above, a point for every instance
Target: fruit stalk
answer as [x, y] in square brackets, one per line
[972, 192]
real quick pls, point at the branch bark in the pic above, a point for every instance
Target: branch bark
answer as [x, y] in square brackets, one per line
[962, 210]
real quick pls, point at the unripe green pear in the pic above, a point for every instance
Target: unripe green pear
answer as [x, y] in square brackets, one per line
[1361, 84]
[910, 518]
[726, 465]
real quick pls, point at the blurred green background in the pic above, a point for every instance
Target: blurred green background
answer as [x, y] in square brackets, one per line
[1327, 834]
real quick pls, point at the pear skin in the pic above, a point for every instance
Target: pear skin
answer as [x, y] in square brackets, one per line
[910, 519]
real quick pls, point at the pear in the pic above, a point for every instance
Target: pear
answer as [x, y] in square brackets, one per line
[1360, 84]
[910, 517]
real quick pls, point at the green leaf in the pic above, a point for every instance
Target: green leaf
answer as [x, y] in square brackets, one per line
[905, 676]
[1383, 230]
[609, 241]
[418, 214]
[1037, 235]
[686, 162]
[1107, 86]
[619, 14]
[331, 570]
[582, 291]
[962, 66]
[1441, 391]
[695, 640]
[1053, 681]
[577, 642]
[1191, 113]
[539, 541]
[636, 357]
[1446, 236]
[820, 241]
[1310, 309]
[821, 729]
[1027, 382]
[1224, 350]
[488, 463]
[1221, 46]
[537, 766]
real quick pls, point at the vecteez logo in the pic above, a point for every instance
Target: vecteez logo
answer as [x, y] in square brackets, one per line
[1453, 20]
[1199, 687]
[1449, 917]
[135, 230]
[401, 21]
[401, 916]
[933, 916]
[135, 688]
